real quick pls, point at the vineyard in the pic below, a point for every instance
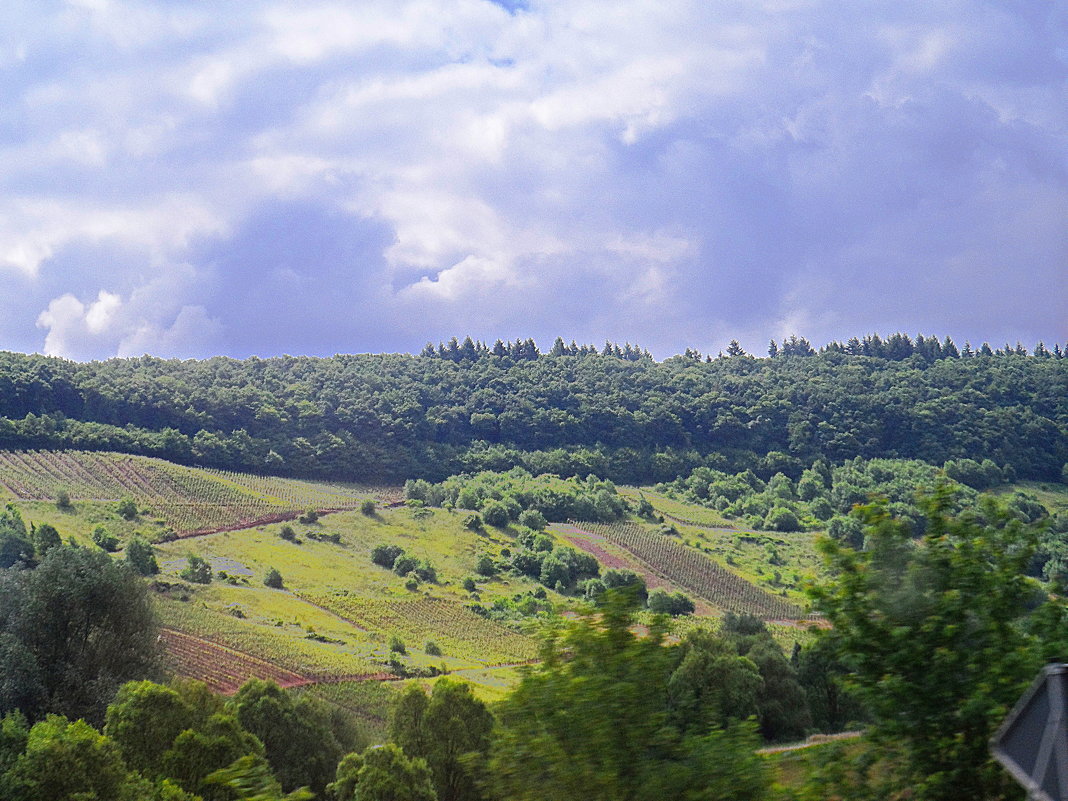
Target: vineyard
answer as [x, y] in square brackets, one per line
[189, 500]
[223, 669]
[609, 557]
[457, 630]
[287, 646]
[694, 572]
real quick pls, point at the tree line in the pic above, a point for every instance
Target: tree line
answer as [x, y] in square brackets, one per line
[631, 420]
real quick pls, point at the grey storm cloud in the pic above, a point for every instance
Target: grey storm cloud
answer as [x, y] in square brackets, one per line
[321, 177]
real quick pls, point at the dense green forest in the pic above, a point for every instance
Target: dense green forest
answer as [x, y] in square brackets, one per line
[614, 412]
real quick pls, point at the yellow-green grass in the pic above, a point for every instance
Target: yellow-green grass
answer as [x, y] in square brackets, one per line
[187, 499]
[681, 511]
[285, 641]
[752, 555]
[1050, 494]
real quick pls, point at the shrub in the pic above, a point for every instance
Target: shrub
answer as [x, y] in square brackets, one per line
[386, 555]
[310, 516]
[45, 537]
[412, 584]
[673, 604]
[287, 533]
[63, 499]
[103, 538]
[405, 564]
[484, 566]
[432, 648]
[780, 518]
[196, 570]
[141, 556]
[396, 645]
[126, 509]
[273, 579]
[532, 519]
[469, 584]
[494, 513]
[472, 522]
[367, 507]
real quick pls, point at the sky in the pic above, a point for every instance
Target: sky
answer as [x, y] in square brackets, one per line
[257, 178]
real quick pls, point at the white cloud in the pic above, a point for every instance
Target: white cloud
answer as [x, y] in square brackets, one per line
[733, 159]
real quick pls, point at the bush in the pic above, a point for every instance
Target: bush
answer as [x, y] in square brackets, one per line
[287, 533]
[273, 579]
[126, 509]
[405, 564]
[412, 584]
[472, 522]
[469, 584]
[396, 645]
[432, 648]
[63, 499]
[386, 555]
[367, 507]
[673, 604]
[780, 518]
[484, 566]
[196, 570]
[532, 519]
[103, 538]
[141, 556]
[494, 513]
[45, 537]
[309, 517]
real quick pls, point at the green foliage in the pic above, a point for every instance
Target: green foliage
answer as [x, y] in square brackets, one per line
[71, 632]
[197, 570]
[382, 773]
[273, 579]
[502, 497]
[633, 420]
[595, 725]
[65, 761]
[104, 539]
[126, 508]
[450, 730]
[63, 500]
[495, 514]
[45, 537]
[485, 566]
[309, 517]
[532, 519]
[367, 507]
[432, 648]
[297, 735]
[931, 634]
[249, 779]
[141, 556]
[396, 645]
[288, 533]
[386, 555]
[665, 603]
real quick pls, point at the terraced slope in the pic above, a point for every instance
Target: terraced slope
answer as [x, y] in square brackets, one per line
[190, 500]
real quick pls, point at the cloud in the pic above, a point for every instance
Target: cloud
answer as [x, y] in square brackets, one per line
[675, 173]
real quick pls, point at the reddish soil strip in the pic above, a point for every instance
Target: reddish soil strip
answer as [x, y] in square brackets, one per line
[597, 546]
[223, 669]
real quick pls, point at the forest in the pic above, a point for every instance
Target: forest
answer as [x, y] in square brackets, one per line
[575, 410]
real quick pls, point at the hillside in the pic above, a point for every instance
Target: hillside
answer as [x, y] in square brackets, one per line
[387, 418]
[334, 623]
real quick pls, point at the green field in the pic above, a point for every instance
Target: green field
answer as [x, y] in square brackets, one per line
[330, 628]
